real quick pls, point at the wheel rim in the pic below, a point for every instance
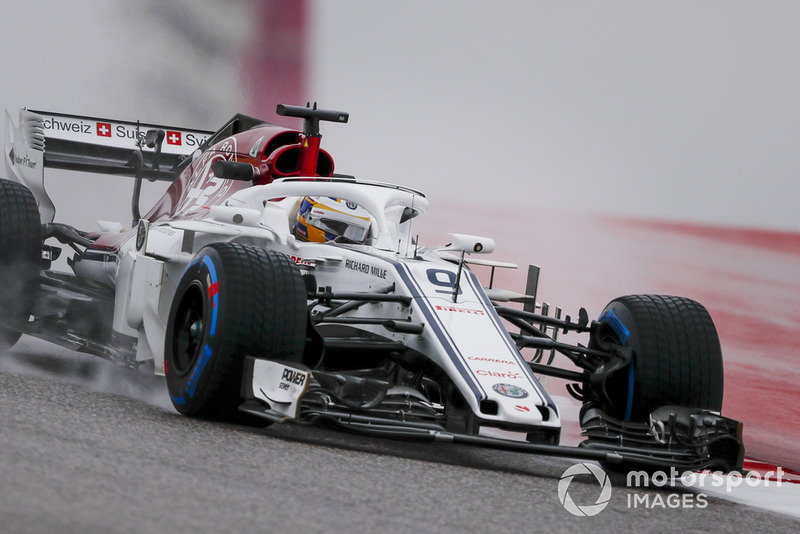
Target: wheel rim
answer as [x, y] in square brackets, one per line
[189, 329]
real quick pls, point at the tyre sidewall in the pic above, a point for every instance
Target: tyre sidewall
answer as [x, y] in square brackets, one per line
[189, 387]
[619, 327]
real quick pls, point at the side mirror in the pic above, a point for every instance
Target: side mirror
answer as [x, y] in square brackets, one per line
[231, 170]
[471, 244]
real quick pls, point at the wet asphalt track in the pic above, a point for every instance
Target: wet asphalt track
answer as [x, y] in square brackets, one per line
[86, 446]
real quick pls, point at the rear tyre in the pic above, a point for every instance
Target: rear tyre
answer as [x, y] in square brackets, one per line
[676, 356]
[20, 257]
[233, 300]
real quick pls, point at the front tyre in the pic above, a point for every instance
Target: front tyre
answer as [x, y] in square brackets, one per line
[676, 356]
[233, 300]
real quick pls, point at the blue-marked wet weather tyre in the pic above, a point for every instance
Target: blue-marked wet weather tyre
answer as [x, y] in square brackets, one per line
[233, 300]
[677, 359]
[20, 258]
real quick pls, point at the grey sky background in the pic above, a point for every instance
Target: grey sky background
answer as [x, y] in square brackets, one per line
[679, 110]
[173, 63]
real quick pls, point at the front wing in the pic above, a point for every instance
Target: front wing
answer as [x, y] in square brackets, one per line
[684, 438]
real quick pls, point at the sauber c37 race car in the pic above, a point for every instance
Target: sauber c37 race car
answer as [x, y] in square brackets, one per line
[267, 288]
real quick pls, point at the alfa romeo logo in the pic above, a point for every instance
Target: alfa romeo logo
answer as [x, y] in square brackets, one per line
[510, 390]
[589, 509]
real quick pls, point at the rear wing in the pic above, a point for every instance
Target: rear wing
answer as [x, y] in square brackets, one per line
[90, 144]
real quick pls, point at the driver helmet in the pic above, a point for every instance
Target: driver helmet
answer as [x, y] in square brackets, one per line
[321, 219]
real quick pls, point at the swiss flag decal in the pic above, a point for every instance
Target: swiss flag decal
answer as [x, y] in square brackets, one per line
[103, 129]
[174, 138]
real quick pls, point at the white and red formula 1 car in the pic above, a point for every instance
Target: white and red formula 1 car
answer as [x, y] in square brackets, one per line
[266, 288]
